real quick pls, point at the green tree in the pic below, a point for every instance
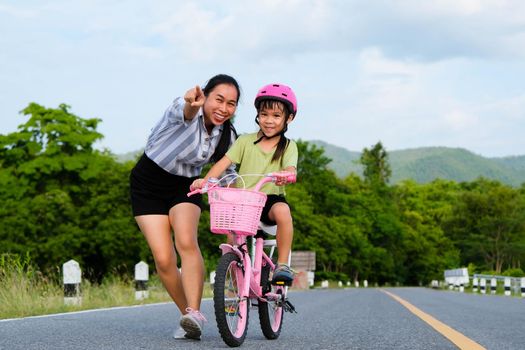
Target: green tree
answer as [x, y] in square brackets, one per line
[423, 208]
[63, 199]
[376, 168]
[488, 224]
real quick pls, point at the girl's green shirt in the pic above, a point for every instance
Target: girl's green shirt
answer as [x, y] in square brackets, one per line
[251, 159]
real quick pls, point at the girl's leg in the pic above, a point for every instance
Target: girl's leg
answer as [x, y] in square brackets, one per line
[280, 213]
[184, 218]
[157, 231]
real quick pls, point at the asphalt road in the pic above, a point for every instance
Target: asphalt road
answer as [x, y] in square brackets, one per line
[326, 319]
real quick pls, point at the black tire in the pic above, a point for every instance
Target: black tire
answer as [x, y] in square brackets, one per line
[271, 312]
[231, 313]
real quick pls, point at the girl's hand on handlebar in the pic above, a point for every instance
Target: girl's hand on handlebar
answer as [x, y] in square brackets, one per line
[197, 184]
[197, 187]
[284, 177]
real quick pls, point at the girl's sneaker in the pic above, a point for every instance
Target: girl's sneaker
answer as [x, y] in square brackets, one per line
[283, 275]
[192, 323]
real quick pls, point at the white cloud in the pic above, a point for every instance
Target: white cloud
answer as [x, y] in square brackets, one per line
[195, 32]
[459, 120]
[266, 29]
[410, 73]
[17, 12]
[385, 84]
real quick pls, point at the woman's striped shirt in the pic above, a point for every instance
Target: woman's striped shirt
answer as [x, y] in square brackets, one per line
[182, 147]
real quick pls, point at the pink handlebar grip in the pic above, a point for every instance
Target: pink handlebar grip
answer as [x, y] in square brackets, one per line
[195, 192]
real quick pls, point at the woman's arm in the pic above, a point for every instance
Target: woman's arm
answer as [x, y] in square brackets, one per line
[216, 170]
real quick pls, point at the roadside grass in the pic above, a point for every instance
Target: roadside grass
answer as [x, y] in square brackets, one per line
[24, 291]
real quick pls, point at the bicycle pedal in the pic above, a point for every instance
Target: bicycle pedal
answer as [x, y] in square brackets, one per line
[288, 307]
[282, 283]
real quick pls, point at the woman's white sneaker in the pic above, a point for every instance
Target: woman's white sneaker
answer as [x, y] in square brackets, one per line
[192, 323]
[179, 333]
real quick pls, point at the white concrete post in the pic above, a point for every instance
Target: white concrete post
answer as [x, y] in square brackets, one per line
[507, 286]
[365, 283]
[356, 283]
[141, 281]
[493, 284]
[311, 278]
[475, 284]
[72, 278]
[523, 286]
[324, 284]
[482, 285]
[461, 288]
[212, 277]
[340, 284]
[348, 284]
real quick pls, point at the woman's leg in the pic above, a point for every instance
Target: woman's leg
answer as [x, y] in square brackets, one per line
[157, 231]
[280, 213]
[184, 218]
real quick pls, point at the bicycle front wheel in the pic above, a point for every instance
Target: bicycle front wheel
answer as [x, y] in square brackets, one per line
[271, 311]
[231, 310]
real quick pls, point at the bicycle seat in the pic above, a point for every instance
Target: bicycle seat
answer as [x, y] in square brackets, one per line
[269, 229]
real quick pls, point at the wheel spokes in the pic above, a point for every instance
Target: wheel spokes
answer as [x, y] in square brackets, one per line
[232, 301]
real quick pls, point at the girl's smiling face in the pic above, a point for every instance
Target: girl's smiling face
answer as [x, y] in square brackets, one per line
[220, 105]
[273, 118]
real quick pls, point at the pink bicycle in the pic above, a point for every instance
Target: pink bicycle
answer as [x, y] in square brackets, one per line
[242, 279]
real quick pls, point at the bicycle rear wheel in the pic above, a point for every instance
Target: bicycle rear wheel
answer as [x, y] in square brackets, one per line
[231, 311]
[271, 311]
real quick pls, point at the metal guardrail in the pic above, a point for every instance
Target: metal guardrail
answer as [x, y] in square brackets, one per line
[498, 278]
[511, 285]
[459, 279]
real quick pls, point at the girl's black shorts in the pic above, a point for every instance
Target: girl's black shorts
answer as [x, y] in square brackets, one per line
[155, 191]
[271, 199]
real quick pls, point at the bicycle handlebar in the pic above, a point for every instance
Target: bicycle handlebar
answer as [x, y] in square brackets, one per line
[271, 177]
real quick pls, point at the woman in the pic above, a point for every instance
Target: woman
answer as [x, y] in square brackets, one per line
[195, 130]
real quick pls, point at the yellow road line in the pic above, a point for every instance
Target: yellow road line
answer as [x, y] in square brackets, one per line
[454, 336]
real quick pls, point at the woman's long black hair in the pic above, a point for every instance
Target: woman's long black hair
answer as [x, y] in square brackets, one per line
[228, 128]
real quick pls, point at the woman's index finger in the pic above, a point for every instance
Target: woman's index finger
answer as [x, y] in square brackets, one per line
[198, 90]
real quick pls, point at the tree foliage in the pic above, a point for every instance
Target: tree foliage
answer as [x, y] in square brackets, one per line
[63, 199]
[488, 225]
[377, 170]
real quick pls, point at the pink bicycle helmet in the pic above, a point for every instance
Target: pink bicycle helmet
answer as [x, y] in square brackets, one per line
[278, 92]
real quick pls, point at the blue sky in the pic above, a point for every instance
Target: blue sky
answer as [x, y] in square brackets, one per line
[408, 73]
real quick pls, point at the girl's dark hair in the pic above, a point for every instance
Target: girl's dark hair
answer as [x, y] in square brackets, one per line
[225, 140]
[283, 141]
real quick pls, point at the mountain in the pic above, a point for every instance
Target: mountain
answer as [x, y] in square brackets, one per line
[130, 156]
[420, 164]
[428, 163]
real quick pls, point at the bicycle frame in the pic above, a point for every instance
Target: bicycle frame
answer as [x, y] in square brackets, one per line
[241, 276]
[251, 286]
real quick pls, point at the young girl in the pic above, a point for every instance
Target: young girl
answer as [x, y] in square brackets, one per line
[263, 152]
[194, 131]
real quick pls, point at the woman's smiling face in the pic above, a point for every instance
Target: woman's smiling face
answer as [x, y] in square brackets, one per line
[220, 104]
